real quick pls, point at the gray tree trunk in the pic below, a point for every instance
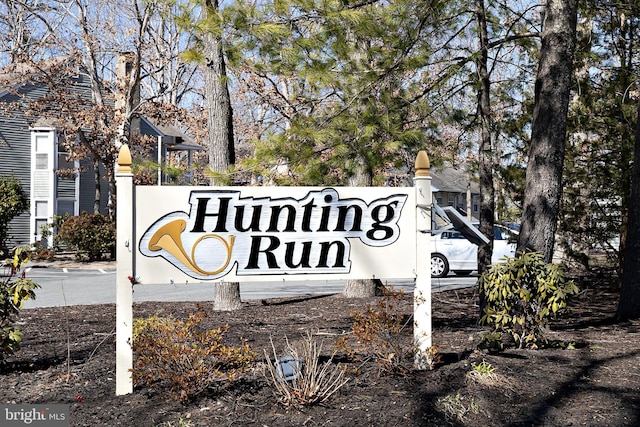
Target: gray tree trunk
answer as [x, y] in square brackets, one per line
[98, 193]
[226, 296]
[487, 196]
[485, 156]
[361, 288]
[220, 120]
[543, 186]
[629, 303]
[220, 144]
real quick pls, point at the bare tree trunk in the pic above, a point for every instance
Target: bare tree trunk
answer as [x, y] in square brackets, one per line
[626, 76]
[361, 288]
[98, 192]
[487, 196]
[629, 303]
[221, 149]
[220, 123]
[543, 186]
[226, 298]
[487, 203]
[111, 202]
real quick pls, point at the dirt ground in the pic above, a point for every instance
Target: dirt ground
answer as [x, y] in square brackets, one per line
[68, 356]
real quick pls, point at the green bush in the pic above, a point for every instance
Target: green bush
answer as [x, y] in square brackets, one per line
[15, 289]
[521, 296]
[13, 202]
[88, 235]
[48, 230]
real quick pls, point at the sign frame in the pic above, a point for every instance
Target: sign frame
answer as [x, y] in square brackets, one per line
[306, 234]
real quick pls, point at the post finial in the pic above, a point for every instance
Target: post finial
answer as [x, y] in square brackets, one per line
[124, 159]
[422, 164]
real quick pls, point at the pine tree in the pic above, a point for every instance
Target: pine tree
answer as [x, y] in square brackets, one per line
[343, 86]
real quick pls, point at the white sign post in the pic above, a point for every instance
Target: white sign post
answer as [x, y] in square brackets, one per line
[422, 292]
[193, 234]
[125, 248]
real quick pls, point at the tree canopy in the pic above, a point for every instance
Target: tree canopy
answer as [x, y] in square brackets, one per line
[334, 92]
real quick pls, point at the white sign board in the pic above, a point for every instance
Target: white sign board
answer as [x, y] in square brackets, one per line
[193, 234]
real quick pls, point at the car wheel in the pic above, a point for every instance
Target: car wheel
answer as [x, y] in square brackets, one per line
[439, 266]
[462, 272]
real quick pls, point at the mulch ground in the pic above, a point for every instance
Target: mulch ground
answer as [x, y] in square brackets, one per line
[68, 356]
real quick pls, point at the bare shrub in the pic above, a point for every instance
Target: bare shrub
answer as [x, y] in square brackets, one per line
[377, 334]
[299, 378]
[184, 356]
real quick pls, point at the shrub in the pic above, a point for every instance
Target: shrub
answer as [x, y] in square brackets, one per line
[299, 378]
[491, 342]
[13, 202]
[483, 368]
[45, 254]
[377, 334]
[183, 356]
[88, 235]
[15, 289]
[457, 407]
[49, 230]
[522, 294]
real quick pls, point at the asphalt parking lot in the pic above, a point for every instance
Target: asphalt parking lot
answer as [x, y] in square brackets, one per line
[63, 286]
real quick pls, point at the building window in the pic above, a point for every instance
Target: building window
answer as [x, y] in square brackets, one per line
[43, 183]
[43, 144]
[42, 208]
[39, 224]
[42, 161]
[66, 206]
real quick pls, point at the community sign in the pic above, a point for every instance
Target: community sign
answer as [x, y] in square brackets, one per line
[238, 234]
[189, 234]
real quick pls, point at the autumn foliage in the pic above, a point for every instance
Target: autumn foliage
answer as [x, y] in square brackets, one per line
[183, 356]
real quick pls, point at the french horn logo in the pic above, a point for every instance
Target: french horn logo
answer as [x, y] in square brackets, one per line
[270, 236]
[168, 238]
